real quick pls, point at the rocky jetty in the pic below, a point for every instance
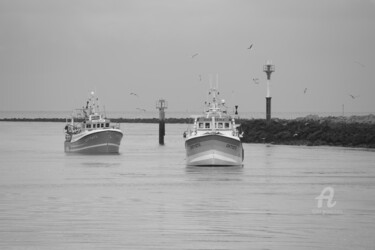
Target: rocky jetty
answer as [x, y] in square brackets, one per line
[312, 131]
[118, 120]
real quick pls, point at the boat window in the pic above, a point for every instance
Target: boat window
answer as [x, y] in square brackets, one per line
[201, 125]
[102, 125]
[220, 125]
[94, 126]
[88, 126]
[207, 125]
[226, 125]
[107, 125]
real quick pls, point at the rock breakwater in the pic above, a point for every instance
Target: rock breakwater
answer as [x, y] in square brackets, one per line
[312, 131]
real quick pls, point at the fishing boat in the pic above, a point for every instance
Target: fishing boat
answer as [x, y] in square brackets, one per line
[89, 132]
[213, 139]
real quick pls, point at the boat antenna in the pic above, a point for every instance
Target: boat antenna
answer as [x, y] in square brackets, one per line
[210, 81]
[217, 81]
[97, 102]
[207, 102]
[93, 103]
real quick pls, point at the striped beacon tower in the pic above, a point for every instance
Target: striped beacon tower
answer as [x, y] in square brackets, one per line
[268, 68]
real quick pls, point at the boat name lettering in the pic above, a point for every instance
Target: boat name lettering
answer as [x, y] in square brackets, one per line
[221, 120]
[195, 145]
[231, 146]
[91, 138]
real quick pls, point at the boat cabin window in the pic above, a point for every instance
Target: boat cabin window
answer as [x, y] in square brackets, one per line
[220, 125]
[88, 125]
[200, 125]
[207, 125]
[102, 125]
[94, 126]
[227, 125]
[95, 117]
[107, 125]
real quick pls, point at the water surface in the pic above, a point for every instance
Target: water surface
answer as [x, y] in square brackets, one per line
[147, 198]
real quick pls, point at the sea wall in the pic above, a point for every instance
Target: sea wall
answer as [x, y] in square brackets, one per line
[312, 131]
[354, 131]
[115, 120]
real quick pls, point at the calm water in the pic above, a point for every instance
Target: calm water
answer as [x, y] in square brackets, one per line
[147, 198]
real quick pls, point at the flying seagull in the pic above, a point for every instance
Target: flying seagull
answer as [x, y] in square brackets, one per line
[134, 94]
[141, 109]
[194, 55]
[353, 97]
[360, 64]
[305, 91]
[256, 80]
[250, 46]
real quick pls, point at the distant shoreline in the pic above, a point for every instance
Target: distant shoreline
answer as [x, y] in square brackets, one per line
[114, 120]
[354, 131]
[369, 119]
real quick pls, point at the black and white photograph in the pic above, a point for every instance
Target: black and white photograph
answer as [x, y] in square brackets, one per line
[187, 124]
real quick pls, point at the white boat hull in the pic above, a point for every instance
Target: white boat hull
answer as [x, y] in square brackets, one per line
[96, 142]
[213, 150]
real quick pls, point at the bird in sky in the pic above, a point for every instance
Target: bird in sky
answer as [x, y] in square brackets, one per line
[305, 91]
[256, 80]
[250, 46]
[196, 54]
[141, 109]
[134, 94]
[353, 96]
[360, 64]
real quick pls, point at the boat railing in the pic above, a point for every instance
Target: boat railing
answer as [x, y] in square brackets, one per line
[190, 131]
[72, 129]
[116, 126]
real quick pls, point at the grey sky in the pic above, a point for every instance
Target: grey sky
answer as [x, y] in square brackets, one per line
[53, 53]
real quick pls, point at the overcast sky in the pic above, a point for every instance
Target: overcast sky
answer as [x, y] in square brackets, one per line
[53, 53]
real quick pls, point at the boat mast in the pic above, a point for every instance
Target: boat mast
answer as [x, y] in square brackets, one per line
[93, 103]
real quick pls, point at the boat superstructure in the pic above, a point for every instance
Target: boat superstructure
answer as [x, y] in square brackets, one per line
[88, 131]
[214, 139]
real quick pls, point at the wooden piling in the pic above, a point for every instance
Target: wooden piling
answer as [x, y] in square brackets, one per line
[161, 105]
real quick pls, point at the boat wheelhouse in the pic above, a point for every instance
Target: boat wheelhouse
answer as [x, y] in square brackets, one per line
[214, 139]
[88, 131]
